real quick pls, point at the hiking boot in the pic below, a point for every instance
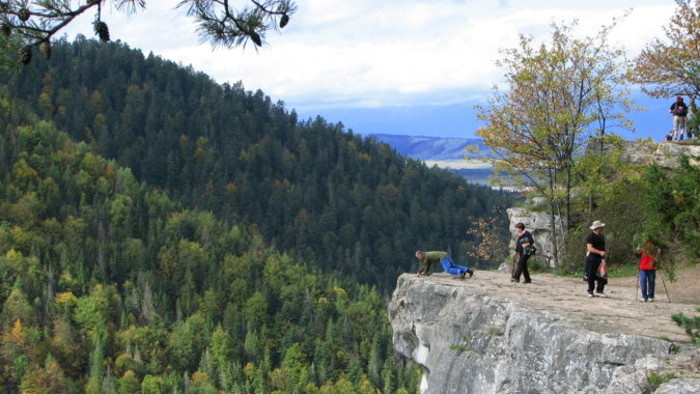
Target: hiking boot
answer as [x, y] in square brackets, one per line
[462, 274]
[642, 300]
[601, 294]
[651, 299]
[590, 294]
[470, 272]
[513, 280]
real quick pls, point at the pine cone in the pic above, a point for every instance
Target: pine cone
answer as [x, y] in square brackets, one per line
[102, 31]
[23, 14]
[45, 49]
[93, 2]
[255, 37]
[284, 20]
[25, 54]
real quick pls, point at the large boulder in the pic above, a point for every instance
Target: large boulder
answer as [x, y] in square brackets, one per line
[538, 223]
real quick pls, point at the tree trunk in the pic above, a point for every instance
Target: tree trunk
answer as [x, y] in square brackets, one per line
[552, 216]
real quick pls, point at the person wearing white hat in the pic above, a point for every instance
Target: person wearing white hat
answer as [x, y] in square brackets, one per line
[595, 253]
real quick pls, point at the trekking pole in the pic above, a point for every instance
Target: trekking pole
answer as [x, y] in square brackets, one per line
[665, 288]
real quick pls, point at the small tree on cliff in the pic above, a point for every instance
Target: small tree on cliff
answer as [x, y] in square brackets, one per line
[671, 67]
[561, 95]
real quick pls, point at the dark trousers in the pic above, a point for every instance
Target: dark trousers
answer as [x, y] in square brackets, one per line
[522, 269]
[592, 264]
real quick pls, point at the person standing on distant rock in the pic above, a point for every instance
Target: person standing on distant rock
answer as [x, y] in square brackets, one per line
[679, 111]
[426, 259]
[524, 248]
[595, 254]
[647, 271]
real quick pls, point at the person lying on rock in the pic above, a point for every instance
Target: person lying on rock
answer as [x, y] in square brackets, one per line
[426, 259]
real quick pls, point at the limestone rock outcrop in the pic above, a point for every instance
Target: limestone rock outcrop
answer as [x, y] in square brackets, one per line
[664, 154]
[538, 223]
[469, 340]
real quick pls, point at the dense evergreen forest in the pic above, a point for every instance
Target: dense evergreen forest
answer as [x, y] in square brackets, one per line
[162, 233]
[338, 201]
[109, 286]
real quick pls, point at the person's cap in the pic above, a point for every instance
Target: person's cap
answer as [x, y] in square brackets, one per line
[597, 224]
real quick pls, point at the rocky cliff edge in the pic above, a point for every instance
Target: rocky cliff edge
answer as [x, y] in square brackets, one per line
[486, 335]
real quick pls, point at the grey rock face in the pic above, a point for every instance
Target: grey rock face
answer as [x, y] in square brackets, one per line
[679, 386]
[472, 342]
[538, 224]
[664, 154]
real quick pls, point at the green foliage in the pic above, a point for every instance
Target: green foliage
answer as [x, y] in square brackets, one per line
[338, 201]
[461, 348]
[195, 235]
[691, 325]
[673, 207]
[655, 380]
[495, 331]
[673, 347]
[115, 288]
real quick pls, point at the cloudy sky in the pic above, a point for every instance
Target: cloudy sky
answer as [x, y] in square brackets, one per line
[395, 66]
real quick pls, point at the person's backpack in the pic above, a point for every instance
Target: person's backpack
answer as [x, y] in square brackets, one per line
[679, 110]
[530, 250]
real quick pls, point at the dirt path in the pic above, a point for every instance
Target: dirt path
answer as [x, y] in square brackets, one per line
[621, 312]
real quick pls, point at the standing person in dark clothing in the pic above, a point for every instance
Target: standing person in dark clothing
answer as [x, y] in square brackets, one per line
[524, 247]
[679, 111]
[595, 247]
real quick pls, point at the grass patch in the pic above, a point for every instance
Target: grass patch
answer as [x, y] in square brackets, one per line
[464, 347]
[655, 380]
[494, 331]
[618, 271]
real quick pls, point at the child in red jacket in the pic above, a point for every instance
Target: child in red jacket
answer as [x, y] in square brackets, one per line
[647, 271]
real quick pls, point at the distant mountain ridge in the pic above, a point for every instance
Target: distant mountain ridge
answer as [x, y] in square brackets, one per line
[454, 154]
[433, 148]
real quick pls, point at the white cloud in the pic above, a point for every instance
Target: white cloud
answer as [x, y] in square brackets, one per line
[379, 53]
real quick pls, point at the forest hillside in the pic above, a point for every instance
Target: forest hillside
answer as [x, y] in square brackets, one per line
[163, 233]
[345, 203]
[107, 285]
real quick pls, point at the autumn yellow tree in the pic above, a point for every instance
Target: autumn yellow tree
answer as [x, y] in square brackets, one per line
[671, 66]
[562, 95]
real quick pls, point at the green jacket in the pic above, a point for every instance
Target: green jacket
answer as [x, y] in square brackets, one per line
[432, 257]
[429, 258]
